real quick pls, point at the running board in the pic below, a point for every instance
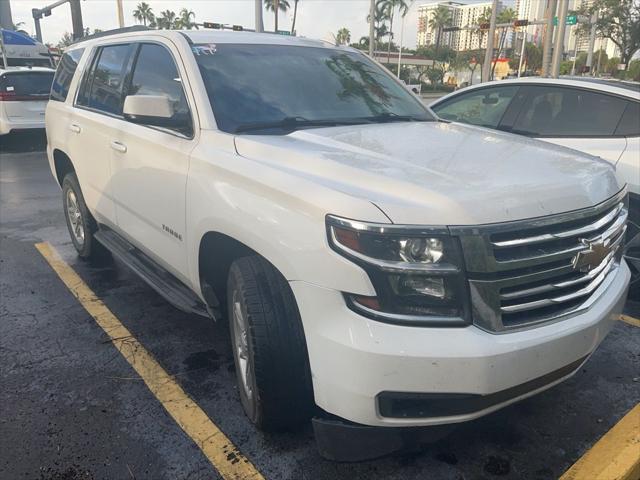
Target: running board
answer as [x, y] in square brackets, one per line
[163, 282]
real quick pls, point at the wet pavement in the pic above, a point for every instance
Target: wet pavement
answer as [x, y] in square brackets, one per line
[71, 407]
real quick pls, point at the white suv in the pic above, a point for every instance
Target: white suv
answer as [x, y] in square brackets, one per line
[24, 92]
[378, 267]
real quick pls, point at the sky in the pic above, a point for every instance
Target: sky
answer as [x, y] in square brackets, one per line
[316, 18]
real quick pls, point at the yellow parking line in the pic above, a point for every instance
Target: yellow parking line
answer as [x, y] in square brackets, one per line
[616, 456]
[215, 445]
[630, 320]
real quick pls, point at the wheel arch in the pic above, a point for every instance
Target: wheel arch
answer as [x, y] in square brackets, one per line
[62, 165]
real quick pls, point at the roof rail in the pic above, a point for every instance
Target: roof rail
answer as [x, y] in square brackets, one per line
[115, 31]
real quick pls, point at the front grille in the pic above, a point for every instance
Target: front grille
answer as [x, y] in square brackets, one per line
[532, 272]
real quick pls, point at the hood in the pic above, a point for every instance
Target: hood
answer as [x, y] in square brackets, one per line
[435, 173]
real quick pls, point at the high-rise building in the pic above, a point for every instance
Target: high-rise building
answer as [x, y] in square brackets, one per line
[462, 16]
[532, 10]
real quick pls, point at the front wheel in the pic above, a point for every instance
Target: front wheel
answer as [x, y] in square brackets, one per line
[269, 347]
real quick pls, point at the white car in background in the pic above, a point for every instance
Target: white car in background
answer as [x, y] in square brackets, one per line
[596, 116]
[24, 93]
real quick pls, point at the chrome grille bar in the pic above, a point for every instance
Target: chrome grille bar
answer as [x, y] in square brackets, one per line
[601, 222]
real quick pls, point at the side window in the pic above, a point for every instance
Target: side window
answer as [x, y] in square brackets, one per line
[629, 125]
[103, 86]
[568, 112]
[64, 74]
[484, 107]
[155, 73]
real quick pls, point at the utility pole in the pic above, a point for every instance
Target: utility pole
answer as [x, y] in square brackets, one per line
[558, 50]
[120, 13]
[372, 20]
[488, 55]
[6, 20]
[592, 42]
[259, 24]
[400, 49]
[548, 37]
[76, 19]
[524, 41]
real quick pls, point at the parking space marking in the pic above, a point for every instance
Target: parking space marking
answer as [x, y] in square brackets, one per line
[630, 320]
[616, 456]
[219, 450]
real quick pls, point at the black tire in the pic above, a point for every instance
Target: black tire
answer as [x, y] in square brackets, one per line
[88, 247]
[282, 393]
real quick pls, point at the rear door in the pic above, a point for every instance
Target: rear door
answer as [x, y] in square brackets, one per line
[573, 117]
[24, 95]
[96, 117]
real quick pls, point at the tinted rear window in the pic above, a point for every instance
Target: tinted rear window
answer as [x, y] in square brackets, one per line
[26, 83]
[64, 74]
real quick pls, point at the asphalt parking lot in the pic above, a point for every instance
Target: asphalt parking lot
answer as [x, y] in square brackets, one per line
[73, 407]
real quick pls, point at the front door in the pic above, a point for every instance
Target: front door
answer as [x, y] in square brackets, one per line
[150, 164]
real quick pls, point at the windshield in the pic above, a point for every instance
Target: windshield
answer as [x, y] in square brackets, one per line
[279, 88]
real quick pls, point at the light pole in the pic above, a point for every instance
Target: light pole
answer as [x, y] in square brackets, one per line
[558, 51]
[488, 56]
[524, 41]
[372, 19]
[548, 37]
[258, 10]
[120, 13]
[592, 42]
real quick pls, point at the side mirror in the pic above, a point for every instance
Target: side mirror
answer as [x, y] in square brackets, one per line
[153, 110]
[488, 100]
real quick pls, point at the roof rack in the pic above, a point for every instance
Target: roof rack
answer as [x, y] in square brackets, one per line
[115, 31]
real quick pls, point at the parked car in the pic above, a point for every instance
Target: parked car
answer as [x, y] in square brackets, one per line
[596, 116]
[24, 93]
[379, 269]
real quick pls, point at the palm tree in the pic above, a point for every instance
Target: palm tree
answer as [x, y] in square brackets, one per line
[390, 7]
[184, 20]
[143, 13]
[379, 24]
[166, 20]
[343, 37]
[441, 19]
[508, 15]
[295, 14]
[275, 6]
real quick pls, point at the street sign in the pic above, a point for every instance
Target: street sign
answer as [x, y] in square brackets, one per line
[284, 32]
[569, 20]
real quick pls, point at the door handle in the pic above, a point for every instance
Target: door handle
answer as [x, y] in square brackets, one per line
[119, 147]
[75, 128]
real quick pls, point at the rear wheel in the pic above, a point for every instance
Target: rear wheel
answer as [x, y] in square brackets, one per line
[269, 348]
[81, 224]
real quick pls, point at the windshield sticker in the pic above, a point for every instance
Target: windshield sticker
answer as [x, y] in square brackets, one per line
[204, 49]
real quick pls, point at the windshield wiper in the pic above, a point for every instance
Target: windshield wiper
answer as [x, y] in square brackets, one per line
[394, 117]
[292, 123]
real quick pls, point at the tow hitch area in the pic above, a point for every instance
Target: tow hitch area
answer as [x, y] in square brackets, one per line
[342, 441]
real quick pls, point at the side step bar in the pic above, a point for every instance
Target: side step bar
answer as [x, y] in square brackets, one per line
[163, 282]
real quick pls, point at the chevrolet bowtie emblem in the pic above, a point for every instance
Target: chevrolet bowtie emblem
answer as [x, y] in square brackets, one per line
[592, 256]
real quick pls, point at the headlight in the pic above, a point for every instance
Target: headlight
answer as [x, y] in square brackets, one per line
[417, 272]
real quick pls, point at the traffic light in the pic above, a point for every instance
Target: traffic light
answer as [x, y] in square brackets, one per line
[521, 23]
[485, 26]
[217, 26]
[237, 28]
[450, 29]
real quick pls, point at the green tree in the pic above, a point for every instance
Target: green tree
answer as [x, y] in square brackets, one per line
[633, 71]
[295, 15]
[619, 21]
[343, 37]
[441, 19]
[166, 20]
[275, 6]
[508, 15]
[65, 41]
[184, 20]
[144, 14]
[390, 7]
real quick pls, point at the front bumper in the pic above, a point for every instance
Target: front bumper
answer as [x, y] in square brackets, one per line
[354, 360]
